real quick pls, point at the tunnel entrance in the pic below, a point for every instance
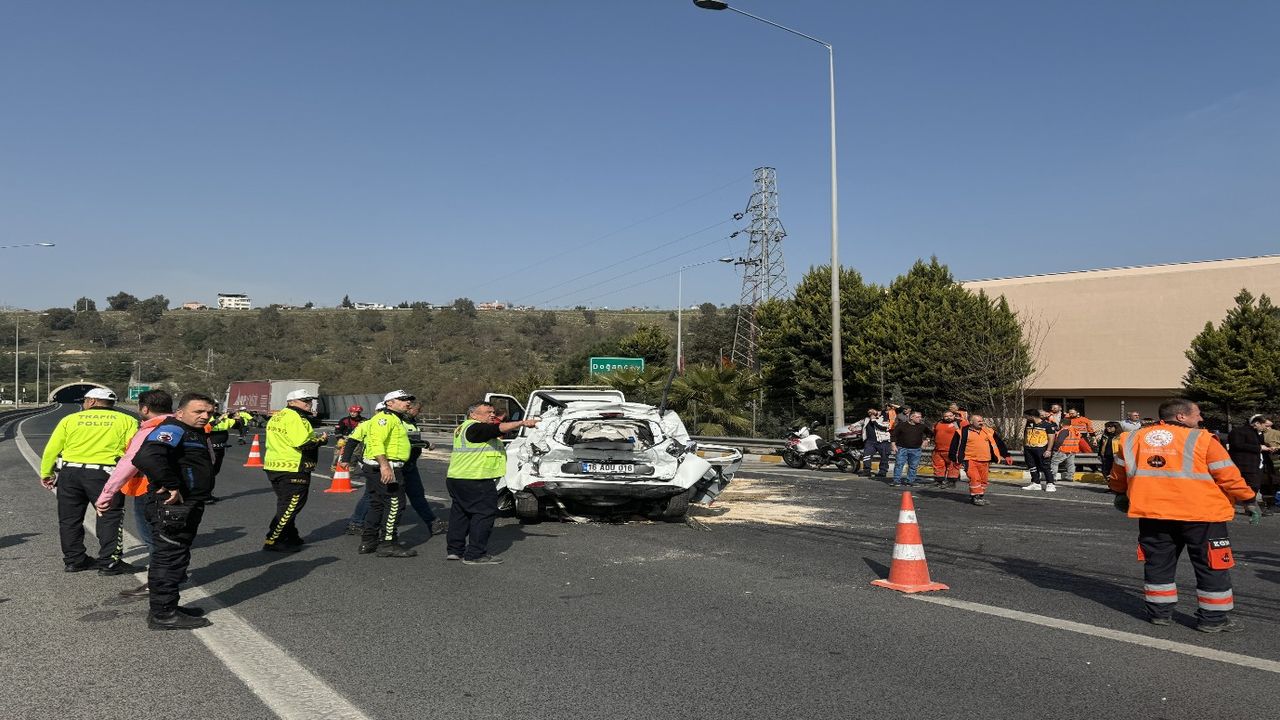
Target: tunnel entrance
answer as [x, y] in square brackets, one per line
[73, 392]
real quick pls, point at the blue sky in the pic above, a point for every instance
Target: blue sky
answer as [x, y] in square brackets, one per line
[301, 150]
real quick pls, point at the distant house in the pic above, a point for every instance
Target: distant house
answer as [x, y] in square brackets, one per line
[495, 305]
[370, 306]
[194, 305]
[234, 301]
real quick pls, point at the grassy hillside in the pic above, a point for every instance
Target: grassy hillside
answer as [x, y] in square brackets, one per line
[448, 357]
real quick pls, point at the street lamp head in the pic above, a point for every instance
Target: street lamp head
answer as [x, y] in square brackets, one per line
[711, 4]
[46, 244]
[726, 259]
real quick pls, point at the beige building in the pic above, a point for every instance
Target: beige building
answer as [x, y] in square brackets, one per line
[1113, 339]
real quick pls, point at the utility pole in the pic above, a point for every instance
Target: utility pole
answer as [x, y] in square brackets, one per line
[765, 277]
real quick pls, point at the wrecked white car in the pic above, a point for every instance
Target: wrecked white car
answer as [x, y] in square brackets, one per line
[594, 452]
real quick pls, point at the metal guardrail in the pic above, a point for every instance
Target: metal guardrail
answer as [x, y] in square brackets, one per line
[746, 445]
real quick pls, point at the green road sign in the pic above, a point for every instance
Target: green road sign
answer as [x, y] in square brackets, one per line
[136, 390]
[609, 364]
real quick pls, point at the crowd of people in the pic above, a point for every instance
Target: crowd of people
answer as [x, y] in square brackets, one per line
[1177, 478]
[1052, 439]
[168, 461]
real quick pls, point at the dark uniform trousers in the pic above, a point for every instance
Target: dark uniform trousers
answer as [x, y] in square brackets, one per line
[78, 489]
[387, 502]
[170, 553]
[1038, 464]
[1162, 542]
[292, 490]
[471, 515]
[218, 454]
[872, 448]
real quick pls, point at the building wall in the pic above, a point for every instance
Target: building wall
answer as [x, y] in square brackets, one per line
[234, 302]
[1122, 333]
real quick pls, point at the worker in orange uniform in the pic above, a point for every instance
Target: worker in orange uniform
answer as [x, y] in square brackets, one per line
[975, 447]
[1067, 443]
[945, 472]
[1081, 423]
[1182, 486]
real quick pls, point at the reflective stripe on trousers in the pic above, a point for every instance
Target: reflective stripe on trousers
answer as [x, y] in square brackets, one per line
[285, 517]
[1161, 593]
[1220, 601]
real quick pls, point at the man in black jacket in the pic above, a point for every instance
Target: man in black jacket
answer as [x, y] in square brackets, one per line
[178, 462]
[1248, 451]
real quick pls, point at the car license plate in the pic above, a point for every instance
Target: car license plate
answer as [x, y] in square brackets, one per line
[609, 468]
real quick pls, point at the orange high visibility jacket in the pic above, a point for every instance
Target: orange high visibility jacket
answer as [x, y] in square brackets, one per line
[1070, 441]
[943, 434]
[1171, 472]
[977, 445]
[1082, 424]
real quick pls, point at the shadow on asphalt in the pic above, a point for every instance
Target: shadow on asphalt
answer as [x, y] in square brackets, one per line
[335, 529]
[15, 539]
[504, 536]
[273, 577]
[219, 569]
[879, 568]
[1254, 556]
[219, 536]
[1118, 598]
[242, 493]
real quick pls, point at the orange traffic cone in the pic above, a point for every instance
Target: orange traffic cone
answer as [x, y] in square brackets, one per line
[909, 572]
[341, 480]
[255, 454]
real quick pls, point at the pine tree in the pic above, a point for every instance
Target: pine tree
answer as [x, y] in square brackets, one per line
[795, 346]
[1235, 367]
[346, 302]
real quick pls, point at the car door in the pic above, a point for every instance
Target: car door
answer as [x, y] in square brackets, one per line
[508, 408]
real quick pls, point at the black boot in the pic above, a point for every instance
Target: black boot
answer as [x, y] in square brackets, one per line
[395, 550]
[175, 621]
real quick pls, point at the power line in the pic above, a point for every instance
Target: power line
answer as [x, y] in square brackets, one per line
[524, 268]
[620, 262]
[643, 267]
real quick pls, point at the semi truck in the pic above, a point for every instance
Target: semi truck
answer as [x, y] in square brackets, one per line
[265, 397]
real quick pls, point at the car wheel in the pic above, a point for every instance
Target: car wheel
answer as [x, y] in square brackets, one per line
[677, 506]
[528, 509]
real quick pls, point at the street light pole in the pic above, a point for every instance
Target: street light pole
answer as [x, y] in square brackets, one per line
[680, 308]
[837, 358]
[16, 400]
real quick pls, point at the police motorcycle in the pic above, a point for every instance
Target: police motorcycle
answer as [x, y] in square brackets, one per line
[799, 442]
[804, 449]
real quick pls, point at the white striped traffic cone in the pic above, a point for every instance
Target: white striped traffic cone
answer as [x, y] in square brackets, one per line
[909, 572]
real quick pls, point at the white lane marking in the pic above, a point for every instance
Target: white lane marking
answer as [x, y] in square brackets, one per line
[282, 683]
[1248, 661]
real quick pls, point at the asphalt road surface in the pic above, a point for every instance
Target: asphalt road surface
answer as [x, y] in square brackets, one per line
[760, 607]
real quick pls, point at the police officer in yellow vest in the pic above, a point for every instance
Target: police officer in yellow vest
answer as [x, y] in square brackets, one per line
[386, 449]
[293, 448]
[85, 446]
[478, 461]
